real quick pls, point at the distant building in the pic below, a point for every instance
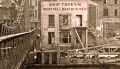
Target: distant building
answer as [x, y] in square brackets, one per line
[4, 10]
[7, 15]
[31, 13]
[4, 14]
[108, 18]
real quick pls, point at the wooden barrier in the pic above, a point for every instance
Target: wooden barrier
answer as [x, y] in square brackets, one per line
[13, 49]
[6, 30]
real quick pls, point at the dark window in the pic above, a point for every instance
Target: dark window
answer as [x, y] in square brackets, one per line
[105, 12]
[116, 12]
[64, 20]
[65, 37]
[46, 58]
[51, 21]
[80, 19]
[54, 58]
[115, 1]
[51, 37]
[36, 14]
[0, 28]
[39, 59]
[105, 1]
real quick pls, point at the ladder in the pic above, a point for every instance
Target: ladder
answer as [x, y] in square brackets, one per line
[73, 38]
[74, 34]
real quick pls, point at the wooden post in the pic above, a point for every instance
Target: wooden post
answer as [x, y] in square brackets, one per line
[50, 58]
[43, 60]
[58, 57]
[86, 39]
[2, 51]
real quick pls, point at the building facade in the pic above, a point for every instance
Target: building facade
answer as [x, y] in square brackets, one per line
[108, 18]
[58, 17]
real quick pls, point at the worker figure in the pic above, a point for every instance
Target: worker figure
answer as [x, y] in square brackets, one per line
[36, 42]
[36, 39]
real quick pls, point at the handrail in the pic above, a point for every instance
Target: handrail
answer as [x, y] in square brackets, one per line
[13, 35]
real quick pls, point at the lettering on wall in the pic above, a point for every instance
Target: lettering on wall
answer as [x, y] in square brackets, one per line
[63, 5]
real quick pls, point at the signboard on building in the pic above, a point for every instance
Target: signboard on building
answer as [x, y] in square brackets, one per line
[64, 5]
[111, 20]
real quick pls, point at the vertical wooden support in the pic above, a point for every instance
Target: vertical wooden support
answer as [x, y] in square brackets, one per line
[109, 50]
[6, 45]
[58, 57]
[79, 38]
[73, 38]
[17, 42]
[2, 30]
[23, 41]
[50, 58]
[5, 48]
[10, 43]
[2, 51]
[43, 59]
[13, 42]
[86, 39]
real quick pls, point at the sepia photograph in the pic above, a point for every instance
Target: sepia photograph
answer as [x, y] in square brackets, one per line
[59, 34]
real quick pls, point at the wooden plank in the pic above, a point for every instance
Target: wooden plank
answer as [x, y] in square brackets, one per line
[13, 35]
